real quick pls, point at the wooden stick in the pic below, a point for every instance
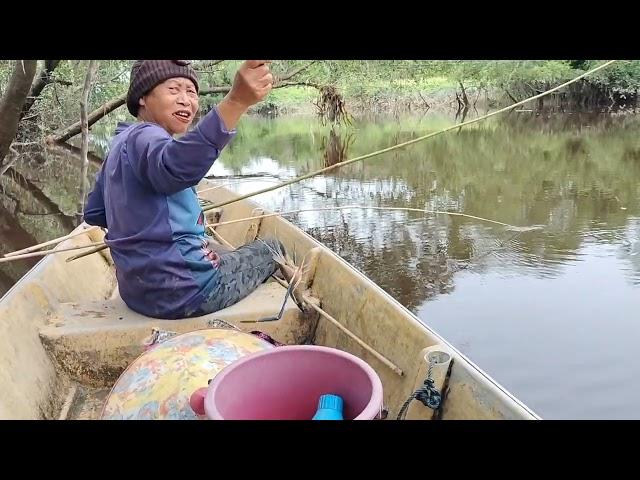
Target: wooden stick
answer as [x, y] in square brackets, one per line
[47, 252]
[213, 188]
[357, 339]
[50, 242]
[220, 238]
[292, 212]
[100, 246]
[227, 184]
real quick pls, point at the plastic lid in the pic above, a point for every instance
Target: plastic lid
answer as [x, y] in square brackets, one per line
[330, 401]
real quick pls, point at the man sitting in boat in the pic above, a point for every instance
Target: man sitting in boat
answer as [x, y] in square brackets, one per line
[145, 194]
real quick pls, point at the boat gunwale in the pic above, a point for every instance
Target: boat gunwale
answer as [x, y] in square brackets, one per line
[391, 299]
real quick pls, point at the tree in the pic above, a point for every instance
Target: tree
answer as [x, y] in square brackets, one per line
[13, 101]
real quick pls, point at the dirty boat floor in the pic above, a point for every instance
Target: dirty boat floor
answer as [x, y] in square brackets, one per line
[87, 403]
[93, 342]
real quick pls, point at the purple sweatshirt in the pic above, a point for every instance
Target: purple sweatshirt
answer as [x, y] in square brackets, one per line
[144, 195]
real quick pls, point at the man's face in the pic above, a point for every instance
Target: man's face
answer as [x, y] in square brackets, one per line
[172, 104]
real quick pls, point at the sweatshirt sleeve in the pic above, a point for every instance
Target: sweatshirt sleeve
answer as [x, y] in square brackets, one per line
[169, 165]
[94, 211]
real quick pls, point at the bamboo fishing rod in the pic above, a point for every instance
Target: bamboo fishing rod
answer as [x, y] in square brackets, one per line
[54, 241]
[45, 253]
[407, 143]
[98, 246]
[380, 152]
[365, 207]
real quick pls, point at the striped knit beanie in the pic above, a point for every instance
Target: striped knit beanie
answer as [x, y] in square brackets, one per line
[146, 74]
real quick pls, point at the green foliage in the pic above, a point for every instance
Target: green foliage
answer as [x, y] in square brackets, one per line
[373, 83]
[622, 77]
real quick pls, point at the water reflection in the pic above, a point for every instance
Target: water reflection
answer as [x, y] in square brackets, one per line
[12, 234]
[38, 198]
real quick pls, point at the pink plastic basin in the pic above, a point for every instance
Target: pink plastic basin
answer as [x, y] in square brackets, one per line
[285, 384]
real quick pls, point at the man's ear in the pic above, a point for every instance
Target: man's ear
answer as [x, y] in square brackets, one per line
[141, 102]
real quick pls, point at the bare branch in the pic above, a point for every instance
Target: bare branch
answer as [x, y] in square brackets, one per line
[278, 83]
[88, 80]
[113, 79]
[226, 89]
[43, 80]
[206, 64]
[293, 72]
[92, 118]
[299, 84]
[212, 90]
